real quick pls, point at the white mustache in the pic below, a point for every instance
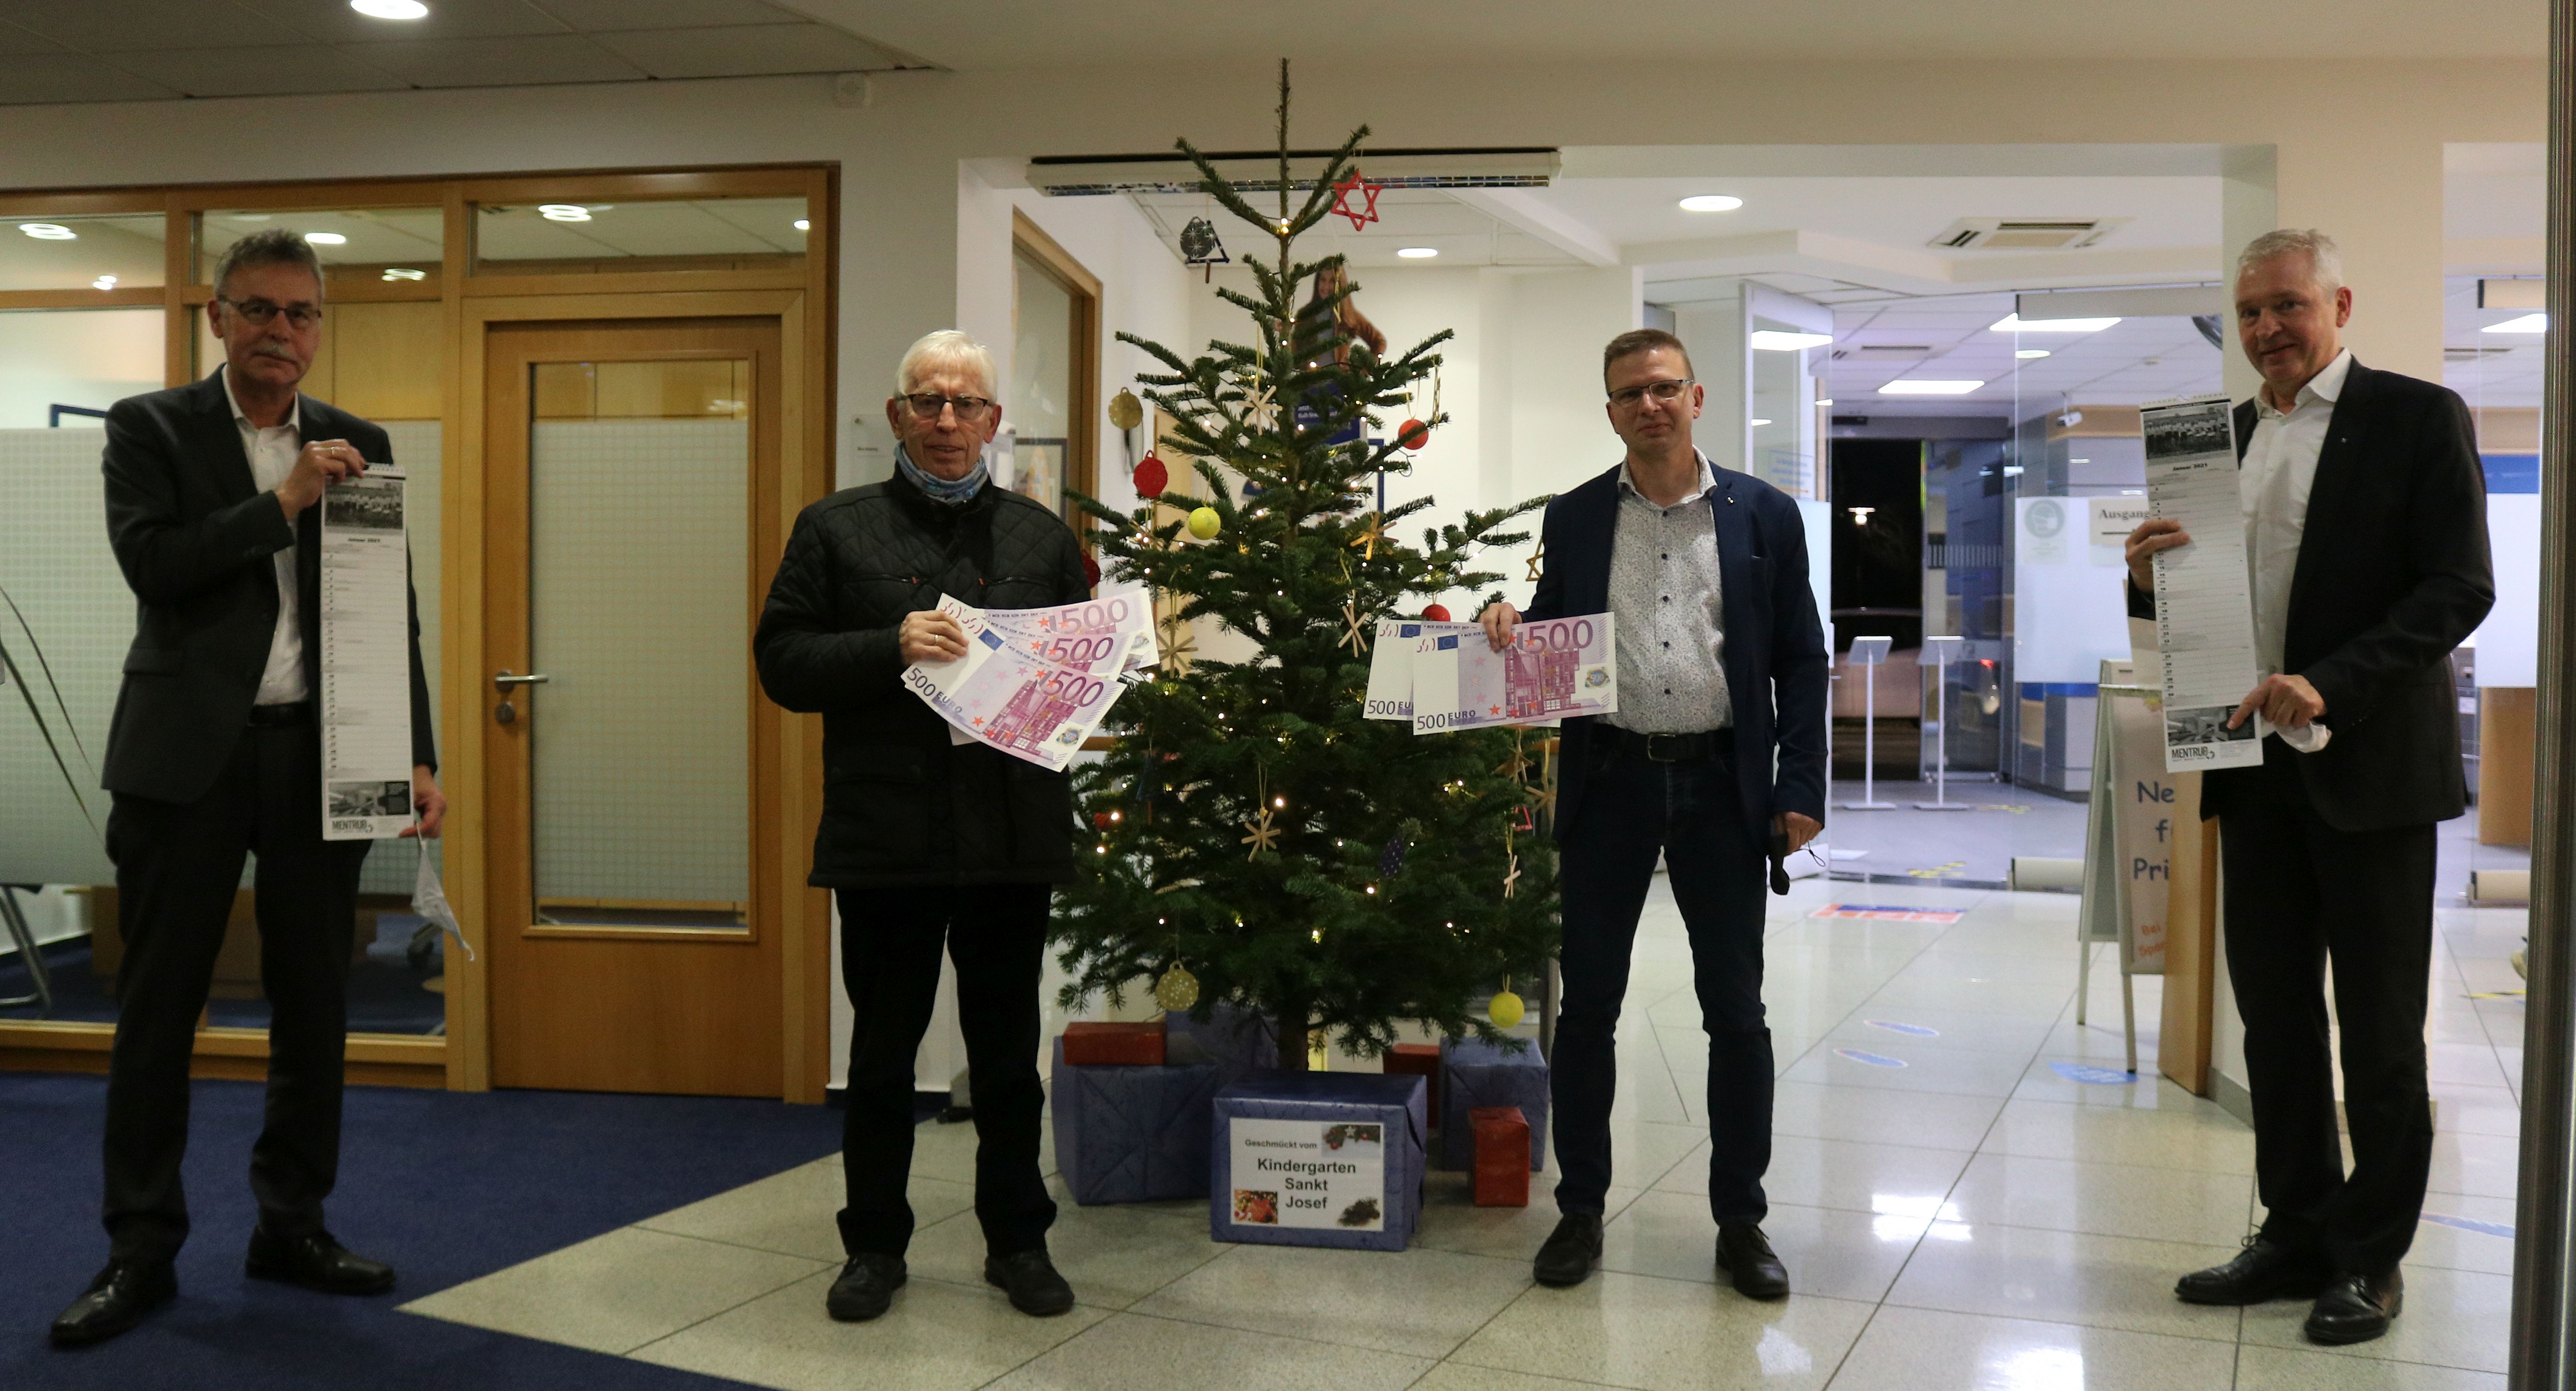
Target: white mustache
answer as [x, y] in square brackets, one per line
[279, 353]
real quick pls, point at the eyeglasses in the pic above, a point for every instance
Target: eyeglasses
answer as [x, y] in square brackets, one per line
[259, 313]
[1627, 397]
[926, 405]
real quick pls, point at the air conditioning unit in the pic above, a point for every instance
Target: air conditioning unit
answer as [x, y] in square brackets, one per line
[1882, 352]
[1257, 170]
[2025, 233]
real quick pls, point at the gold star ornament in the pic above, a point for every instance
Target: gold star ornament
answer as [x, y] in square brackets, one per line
[1264, 835]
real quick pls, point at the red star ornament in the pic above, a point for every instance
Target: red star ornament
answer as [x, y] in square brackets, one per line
[1360, 216]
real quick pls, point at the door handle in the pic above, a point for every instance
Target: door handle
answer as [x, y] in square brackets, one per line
[504, 680]
[507, 712]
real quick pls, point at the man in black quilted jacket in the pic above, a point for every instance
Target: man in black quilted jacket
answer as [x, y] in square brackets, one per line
[927, 838]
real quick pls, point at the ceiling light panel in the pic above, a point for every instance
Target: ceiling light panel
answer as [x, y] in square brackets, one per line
[1928, 387]
[1711, 203]
[1772, 340]
[2014, 323]
[390, 9]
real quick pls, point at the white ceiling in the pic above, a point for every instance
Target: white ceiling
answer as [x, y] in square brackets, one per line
[1004, 34]
[142, 50]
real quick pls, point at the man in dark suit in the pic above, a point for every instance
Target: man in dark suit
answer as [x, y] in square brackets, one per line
[1722, 668]
[2329, 853]
[214, 753]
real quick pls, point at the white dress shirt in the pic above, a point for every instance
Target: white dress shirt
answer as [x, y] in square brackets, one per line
[1670, 610]
[272, 454]
[2272, 486]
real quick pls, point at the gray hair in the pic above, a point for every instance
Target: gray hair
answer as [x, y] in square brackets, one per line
[944, 348]
[269, 246]
[2323, 258]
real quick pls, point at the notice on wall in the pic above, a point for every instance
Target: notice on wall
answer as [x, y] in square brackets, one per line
[2204, 603]
[1308, 1173]
[366, 657]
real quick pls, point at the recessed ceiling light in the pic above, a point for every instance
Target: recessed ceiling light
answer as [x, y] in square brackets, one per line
[1757, 421]
[1928, 387]
[104, 282]
[2528, 323]
[563, 212]
[48, 231]
[1711, 203]
[326, 239]
[804, 224]
[404, 273]
[2027, 354]
[1417, 253]
[1772, 340]
[2015, 323]
[390, 9]
[1824, 400]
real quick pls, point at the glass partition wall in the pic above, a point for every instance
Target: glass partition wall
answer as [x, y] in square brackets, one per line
[103, 296]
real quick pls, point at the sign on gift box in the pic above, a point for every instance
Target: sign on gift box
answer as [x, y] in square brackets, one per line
[1317, 1159]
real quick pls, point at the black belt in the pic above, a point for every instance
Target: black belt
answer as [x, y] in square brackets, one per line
[1703, 747]
[281, 716]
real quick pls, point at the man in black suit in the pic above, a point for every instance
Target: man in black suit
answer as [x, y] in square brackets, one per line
[2365, 523]
[214, 753]
[1722, 669]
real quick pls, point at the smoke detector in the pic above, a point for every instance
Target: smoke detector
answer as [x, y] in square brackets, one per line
[2025, 233]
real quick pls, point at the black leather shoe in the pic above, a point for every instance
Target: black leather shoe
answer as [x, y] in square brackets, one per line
[1029, 1278]
[1744, 1253]
[2356, 1308]
[866, 1287]
[1571, 1251]
[2265, 1269]
[116, 1301]
[315, 1262]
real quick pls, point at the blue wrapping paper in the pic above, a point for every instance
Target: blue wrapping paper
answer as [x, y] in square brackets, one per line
[1132, 1134]
[1390, 1112]
[1236, 1040]
[1474, 1074]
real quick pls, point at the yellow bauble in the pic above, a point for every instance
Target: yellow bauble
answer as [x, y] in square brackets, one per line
[1506, 1009]
[1178, 989]
[1125, 411]
[1204, 523]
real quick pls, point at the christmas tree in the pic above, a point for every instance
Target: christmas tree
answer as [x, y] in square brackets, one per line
[1252, 829]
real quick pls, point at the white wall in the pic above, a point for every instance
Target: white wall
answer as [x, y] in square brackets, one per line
[75, 357]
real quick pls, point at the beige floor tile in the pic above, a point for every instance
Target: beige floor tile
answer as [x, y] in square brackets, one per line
[2061, 1277]
[1461, 1376]
[2151, 1091]
[2455, 1249]
[2466, 1064]
[1931, 1119]
[2211, 1141]
[1130, 1353]
[948, 1151]
[2483, 1165]
[1638, 1331]
[937, 1337]
[2111, 1199]
[1842, 1174]
[2299, 1369]
[2451, 1318]
[2013, 998]
[1955, 1071]
[1980, 1033]
[1112, 1255]
[618, 1291]
[1419, 1302]
[1920, 1349]
[794, 1212]
[1838, 1254]
[1452, 1222]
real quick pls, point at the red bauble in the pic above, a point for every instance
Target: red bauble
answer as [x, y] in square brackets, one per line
[1413, 434]
[1152, 478]
[1100, 819]
[1437, 613]
[1090, 570]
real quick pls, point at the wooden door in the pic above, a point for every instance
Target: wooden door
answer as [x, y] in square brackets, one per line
[632, 475]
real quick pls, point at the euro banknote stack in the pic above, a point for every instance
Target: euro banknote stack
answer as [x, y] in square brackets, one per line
[1445, 676]
[1035, 683]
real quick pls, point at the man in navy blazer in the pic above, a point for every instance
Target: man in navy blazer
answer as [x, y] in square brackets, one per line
[1715, 759]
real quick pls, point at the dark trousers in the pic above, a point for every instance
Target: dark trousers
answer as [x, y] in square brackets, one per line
[2300, 893]
[890, 945]
[177, 868]
[1693, 814]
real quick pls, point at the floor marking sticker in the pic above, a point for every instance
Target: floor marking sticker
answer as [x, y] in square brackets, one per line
[1909, 1030]
[2471, 1224]
[2093, 1076]
[1890, 913]
[1872, 1059]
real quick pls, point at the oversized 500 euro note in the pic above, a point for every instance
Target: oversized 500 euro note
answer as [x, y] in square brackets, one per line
[1552, 669]
[1025, 706]
[1111, 634]
[1391, 657]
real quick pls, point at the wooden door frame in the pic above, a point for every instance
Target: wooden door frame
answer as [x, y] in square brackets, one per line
[797, 782]
[1082, 404]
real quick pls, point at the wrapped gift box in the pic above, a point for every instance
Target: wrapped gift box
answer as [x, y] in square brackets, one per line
[1418, 1060]
[1132, 1134]
[1474, 1075]
[1502, 1139]
[1317, 1159]
[1114, 1045]
[1236, 1040]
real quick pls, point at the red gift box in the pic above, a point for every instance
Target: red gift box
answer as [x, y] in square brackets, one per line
[1418, 1060]
[1502, 1156]
[1114, 1045]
